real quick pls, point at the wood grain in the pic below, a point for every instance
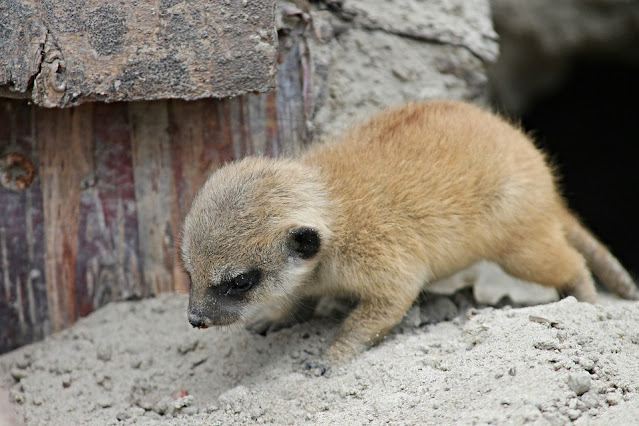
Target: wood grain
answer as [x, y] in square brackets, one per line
[24, 313]
[152, 170]
[64, 141]
[108, 266]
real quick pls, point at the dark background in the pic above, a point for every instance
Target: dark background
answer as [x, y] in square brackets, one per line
[590, 128]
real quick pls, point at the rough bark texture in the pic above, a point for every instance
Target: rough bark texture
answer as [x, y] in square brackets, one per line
[101, 219]
[63, 53]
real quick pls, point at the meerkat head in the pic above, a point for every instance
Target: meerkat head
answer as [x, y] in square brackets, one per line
[255, 232]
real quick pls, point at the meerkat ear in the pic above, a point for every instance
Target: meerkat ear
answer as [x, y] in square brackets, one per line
[304, 241]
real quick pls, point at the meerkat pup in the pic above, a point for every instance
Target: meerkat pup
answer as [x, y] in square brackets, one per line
[412, 195]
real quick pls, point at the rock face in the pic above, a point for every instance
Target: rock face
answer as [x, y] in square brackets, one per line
[387, 53]
[63, 53]
[540, 40]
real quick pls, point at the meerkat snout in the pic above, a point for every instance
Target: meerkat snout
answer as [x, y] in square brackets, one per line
[412, 195]
[196, 319]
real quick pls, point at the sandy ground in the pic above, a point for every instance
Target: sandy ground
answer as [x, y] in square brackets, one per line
[448, 362]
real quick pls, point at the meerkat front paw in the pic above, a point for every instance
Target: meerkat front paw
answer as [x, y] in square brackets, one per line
[261, 327]
[277, 318]
[264, 326]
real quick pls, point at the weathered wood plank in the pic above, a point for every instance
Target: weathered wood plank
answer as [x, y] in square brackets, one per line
[23, 300]
[64, 141]
[108, 266]
[291, 119]
[152, 168]
[273, 143]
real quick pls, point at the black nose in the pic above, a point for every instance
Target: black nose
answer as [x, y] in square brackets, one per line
[196, 320]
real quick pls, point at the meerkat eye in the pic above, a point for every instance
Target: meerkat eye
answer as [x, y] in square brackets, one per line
[304, 241]
[242, 282]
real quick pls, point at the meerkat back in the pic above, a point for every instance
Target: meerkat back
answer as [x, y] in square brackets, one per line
[444, 183]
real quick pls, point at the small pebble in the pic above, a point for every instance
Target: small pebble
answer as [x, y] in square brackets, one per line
[23, 362]
[17, 396]
[187, 347]
[613, 399]
[579, 382]
[18, 374]
[105, 402]
[572, 404]
[190, 410]
[547, 345]
[146, 402]
[574, 414]
[162, 406]
[66, 380]
[104, 352]
[587, 363]
[122, 416]
[185, 401]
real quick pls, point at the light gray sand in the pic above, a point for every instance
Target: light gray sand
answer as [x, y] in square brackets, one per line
[137, 361]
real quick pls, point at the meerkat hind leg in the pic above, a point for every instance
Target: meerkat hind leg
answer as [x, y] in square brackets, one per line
[551, 261]
[367, 324]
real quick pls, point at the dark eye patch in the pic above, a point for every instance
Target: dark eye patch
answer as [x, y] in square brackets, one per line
[241, 283]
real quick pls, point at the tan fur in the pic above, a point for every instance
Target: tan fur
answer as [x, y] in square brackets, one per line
[412, 195]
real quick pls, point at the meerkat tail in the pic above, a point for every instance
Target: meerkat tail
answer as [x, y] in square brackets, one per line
[600, 261]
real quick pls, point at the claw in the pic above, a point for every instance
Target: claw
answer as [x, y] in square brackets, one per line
[262, 327]
[316, 367]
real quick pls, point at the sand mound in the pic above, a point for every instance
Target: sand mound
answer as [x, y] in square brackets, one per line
[140, 362]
